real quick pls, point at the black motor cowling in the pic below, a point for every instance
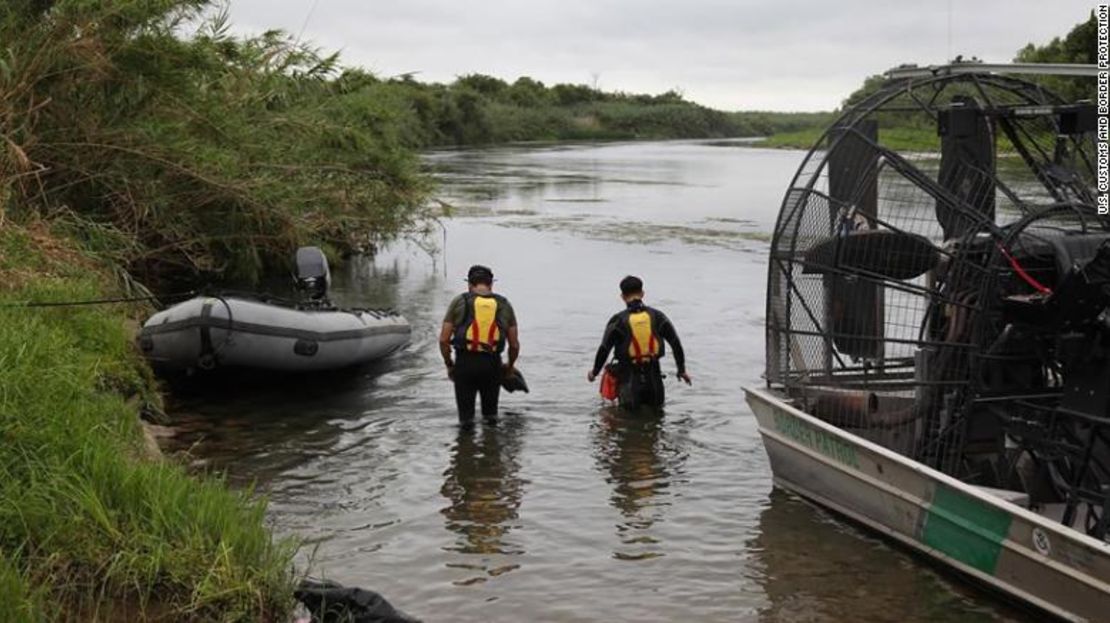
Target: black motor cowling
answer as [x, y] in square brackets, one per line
[313, 276]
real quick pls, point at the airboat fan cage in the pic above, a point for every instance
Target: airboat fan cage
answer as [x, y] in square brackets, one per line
[918, 296]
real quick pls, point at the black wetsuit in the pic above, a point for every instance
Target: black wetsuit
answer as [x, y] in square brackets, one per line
[640, 383]
[477, 374]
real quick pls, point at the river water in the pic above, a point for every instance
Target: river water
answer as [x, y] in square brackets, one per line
[566, 510]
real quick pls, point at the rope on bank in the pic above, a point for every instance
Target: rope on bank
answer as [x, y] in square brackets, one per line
[107, 301]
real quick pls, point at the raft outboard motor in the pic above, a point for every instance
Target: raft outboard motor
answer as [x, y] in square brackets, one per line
[313, 276]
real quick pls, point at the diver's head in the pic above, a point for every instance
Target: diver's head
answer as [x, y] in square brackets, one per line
[479, 277]
[632, 288]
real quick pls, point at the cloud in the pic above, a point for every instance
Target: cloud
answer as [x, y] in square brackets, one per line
[783, 55]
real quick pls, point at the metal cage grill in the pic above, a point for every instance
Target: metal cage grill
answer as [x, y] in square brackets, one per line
[935, 299]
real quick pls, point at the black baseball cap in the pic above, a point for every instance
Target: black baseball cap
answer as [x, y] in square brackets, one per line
[631, 285]
[479, 274]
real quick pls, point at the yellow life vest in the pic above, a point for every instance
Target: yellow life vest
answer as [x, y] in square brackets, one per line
[643, 346]
[482, 334]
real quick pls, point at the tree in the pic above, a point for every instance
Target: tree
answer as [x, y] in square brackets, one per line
[527, 92]
[481, 83]
[571, 94]
[871, 85]
[1079, 46]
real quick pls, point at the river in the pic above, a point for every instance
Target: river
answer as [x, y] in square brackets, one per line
[567, 510]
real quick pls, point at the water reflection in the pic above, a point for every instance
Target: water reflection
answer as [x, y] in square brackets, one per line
[257, 422]
[534, 176]
[815, 568]
[484, 488]
[634, 452]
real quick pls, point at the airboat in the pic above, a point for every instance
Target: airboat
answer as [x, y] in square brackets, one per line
[938, 331]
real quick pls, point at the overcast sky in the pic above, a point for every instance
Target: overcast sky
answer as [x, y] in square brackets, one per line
[733, 55]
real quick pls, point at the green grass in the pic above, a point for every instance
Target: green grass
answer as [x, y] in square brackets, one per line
[798, 139]
[22, 603]
[85, 519]
[896, 138]
[900, 139]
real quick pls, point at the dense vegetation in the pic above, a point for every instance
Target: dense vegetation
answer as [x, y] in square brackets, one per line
[127, 149]
[191, 155]
[91, 528]
[478, 109]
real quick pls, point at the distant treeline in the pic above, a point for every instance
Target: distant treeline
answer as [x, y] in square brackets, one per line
[478, 109]
[914, 131]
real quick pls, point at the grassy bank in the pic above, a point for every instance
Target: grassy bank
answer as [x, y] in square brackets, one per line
[902, 139]
[798, 139]
[88, 523]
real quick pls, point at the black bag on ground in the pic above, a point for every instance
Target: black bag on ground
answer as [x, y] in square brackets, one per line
[331, 602]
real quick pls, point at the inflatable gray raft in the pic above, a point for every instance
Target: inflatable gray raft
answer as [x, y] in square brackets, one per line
[231, 331]
[206, 332]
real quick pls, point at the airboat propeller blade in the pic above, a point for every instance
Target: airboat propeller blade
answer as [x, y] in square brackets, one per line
[882, 252]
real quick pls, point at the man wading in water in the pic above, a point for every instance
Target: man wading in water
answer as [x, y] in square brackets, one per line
[637, 335]
[477, 326]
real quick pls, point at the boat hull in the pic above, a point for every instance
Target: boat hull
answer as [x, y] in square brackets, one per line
[209, 332]
[1037, 561]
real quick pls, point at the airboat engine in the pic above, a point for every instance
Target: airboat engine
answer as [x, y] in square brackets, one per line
[313, 276]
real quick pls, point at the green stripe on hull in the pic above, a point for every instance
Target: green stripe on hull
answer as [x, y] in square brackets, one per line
[965, 529]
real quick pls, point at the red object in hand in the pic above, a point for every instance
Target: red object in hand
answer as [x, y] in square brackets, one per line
[608, 387]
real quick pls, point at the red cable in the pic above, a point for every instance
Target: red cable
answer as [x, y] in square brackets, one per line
[1038, 286]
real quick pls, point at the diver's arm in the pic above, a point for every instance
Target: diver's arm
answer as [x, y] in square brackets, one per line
[667, 331]
[455, 314]
[599, 360]
[608, 340]
[514, 345]
[445, 335]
